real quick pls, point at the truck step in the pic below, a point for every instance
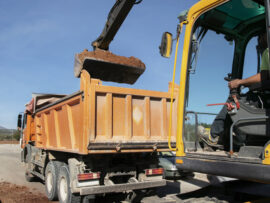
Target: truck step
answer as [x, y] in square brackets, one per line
[38, 175]
[38, 163]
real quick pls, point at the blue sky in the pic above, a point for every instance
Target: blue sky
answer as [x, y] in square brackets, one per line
[38, 41]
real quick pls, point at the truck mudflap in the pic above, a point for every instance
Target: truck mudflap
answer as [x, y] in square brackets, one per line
[120, 187]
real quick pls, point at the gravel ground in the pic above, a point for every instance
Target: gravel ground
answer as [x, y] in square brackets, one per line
[12, 169]
[13, 186]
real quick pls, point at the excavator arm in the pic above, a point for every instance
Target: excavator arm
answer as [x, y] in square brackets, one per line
[116, 17]
[101, 63]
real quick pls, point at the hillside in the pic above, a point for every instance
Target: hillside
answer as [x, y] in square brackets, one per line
[4, 131]
[8, 134]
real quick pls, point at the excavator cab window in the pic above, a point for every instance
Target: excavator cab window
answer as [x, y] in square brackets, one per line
[236, 23]
[195, 45]
[252, 59]
[206, 84]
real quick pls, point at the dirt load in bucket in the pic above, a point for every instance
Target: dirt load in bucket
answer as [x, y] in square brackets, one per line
[110, 57]
[105, 65]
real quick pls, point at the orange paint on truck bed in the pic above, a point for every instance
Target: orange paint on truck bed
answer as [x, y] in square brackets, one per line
[105, 119]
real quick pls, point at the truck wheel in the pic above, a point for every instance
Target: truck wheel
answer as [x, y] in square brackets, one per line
[51, 175]
[64, 192]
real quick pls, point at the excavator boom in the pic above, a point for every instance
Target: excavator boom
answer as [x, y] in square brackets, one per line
[101, 63]
[116, 17]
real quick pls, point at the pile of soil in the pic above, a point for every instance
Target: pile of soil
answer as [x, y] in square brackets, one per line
[10, 193]
[110, 57]
[9, 142]
[107, 66]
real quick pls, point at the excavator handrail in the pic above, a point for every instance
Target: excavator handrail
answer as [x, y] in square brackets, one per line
[173, 81]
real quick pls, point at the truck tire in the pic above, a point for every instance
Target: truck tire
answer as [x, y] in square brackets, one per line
[63, 187]
[51, 176]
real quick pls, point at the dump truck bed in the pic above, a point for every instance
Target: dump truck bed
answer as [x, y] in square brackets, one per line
[105, 119]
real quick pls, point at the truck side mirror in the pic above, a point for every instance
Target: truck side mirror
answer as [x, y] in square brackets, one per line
[19, 123]
[165, 47]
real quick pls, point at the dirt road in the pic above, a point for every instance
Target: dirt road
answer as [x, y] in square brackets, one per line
[13, 186]
[12, 170]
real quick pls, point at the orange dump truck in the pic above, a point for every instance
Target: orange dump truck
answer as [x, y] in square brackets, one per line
[101, 139]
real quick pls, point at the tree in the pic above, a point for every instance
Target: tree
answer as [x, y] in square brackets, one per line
[16, 135]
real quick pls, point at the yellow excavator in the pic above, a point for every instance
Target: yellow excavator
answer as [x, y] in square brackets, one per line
[244, 150]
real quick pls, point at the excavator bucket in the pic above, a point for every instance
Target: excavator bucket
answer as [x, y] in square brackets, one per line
[106, 66]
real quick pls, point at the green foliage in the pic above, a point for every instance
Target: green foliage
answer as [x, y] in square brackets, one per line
[5, 137]
[16, 135]
[8, 134]
[205, 125]
[190, 132]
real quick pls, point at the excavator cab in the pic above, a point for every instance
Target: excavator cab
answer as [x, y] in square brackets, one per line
[241, 150]
[245, 113]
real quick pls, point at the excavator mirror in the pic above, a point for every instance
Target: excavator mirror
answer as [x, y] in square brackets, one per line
[165, 47]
